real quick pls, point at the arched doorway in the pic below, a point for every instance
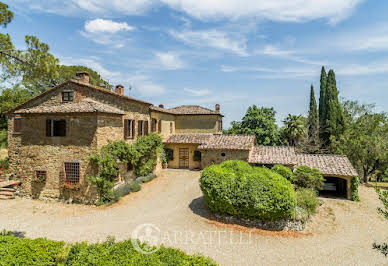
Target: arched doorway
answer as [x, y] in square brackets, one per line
[334, 187]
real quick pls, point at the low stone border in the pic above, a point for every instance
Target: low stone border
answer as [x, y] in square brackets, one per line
[278, 225]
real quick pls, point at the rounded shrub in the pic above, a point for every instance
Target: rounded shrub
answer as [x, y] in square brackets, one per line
[306, 177]
[134, 186]
[235, 188]
[307, 199]
[284, 171]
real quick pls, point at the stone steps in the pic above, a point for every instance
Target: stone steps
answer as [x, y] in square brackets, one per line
[7, 189]
[2, 197]
[7, 193]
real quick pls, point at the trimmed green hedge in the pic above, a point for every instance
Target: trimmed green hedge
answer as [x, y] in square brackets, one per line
[306, 177]
[40, 251]
[284, 171]
[235, 188]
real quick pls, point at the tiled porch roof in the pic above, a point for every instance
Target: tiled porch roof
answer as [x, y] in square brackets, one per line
[229, 142]
[186, 110]
[273, 155]
[187, 138]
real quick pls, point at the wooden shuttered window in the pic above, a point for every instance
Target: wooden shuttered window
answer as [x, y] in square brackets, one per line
[48, 127]
[154, 124]
[146, 127]
[17, 125]
[171, 127]
[129, 128]
[160, 126]
[140, 127]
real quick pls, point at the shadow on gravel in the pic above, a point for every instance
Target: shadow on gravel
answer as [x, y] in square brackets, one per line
[199, 207]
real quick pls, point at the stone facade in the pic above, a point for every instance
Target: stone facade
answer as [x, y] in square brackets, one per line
[93, 117]
[191, 148]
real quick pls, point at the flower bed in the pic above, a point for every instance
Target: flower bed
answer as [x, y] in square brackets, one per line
[71, 186]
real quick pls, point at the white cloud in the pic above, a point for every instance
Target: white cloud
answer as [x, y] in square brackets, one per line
[365, 69]
[276, 10]
[169, 60]
[108, 26]
[197, 92]
[213, 38]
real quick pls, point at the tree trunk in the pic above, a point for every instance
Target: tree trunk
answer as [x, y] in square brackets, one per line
[365, 175]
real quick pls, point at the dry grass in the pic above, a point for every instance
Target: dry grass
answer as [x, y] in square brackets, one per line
[383, 185]
[3, 153]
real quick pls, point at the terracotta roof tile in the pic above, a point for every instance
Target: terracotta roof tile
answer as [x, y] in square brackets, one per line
[85, 106]
[188, 138]
[328, 164]
[187, 110]
[273, 155]
[229, 142]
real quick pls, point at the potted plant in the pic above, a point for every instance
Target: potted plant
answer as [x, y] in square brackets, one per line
[69, 186]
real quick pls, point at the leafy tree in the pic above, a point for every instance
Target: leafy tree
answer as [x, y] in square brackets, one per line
[10, 98]
[322, 103]
[294, 129]
[258, 121]
[6, 15]
[364, 140]
[68, 72]
[383, 196]
[313, 124]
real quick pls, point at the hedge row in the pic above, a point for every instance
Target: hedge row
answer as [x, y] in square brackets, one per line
[40, 251]
[235, 188]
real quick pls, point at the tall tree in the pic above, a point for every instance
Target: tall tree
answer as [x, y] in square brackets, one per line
[323, 102]
[335, 118]
[6, 15]
[364, 140]
[260, 122]
[294, 129]
[313, 120]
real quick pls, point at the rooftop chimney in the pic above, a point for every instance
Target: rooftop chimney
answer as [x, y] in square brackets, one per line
[82, 76]
[119, 89]
[217, 107]
[161, 105]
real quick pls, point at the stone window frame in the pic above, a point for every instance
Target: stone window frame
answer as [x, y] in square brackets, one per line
[17, 125]
[160, 126]
[171, 127]
[50, 127]
[75, 168]
[143, 127]
[67, 96]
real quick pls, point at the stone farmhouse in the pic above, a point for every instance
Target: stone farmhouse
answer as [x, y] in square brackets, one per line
[53, 134]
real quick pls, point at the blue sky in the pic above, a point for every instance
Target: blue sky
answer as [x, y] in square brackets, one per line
[235, 53]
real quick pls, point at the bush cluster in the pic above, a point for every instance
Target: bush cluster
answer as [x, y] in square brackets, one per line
[307, 199]
[235, 188]
[306, 177]
[134, 186]
[40, 251]
[284, 171]
[142, 155]
[145, 179]
[4, 163]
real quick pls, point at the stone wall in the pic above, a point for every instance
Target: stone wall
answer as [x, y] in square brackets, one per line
[166, 120]
[210, 157]
[32, 150]
[197, 124]
[175, 163]
[109, 128]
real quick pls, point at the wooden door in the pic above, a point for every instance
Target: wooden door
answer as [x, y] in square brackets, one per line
[183, 158]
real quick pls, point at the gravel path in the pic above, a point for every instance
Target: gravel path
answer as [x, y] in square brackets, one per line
[341, 233]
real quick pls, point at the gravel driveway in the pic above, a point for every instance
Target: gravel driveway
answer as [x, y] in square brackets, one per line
[341, 233]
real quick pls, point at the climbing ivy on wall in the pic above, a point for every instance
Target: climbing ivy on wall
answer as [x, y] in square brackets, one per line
[354, 188]
[142, 155]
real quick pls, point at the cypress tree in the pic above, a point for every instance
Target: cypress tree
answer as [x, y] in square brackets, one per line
[323, 102]
[334, 117]
[313, 124]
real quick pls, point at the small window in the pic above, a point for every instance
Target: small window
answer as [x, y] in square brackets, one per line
[72, 172]
[40, 176]
[154, 123]
[67, 96]
[171, 127]
[129, 166]
[197, 156]
[17, 125]
[129, 128]
[140, 128]
[55, 127]
[160, 126]
[145, 127]
[223, 154]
